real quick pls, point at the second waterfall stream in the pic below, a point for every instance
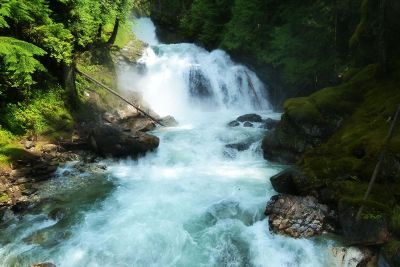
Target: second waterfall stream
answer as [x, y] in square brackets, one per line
[194, 201]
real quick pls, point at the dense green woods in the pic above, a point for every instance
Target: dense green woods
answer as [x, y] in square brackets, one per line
[40, 43]
[310, 44]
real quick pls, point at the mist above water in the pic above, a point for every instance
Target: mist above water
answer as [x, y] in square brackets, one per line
[193, 202]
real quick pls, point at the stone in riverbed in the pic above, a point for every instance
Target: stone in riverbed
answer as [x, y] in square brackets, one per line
[106, 140]
[234, 124]
[297, 216]
[239, 146]
[250, 118]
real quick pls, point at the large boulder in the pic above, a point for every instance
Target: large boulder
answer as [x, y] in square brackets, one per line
[297, 216]
[106, 140]
[368, 230]
[270, 124]
[138, 123]
[284, 183]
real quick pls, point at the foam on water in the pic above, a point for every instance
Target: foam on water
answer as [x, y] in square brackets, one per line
[193, 202]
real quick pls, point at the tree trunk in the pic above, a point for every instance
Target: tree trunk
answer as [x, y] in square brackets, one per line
[69, 83]
[114, 33]
[99, 31]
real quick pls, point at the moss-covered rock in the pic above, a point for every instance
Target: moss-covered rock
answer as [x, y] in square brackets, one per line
[308, 122]
[335, 137]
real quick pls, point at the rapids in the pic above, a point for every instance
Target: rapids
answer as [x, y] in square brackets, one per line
[193, 202]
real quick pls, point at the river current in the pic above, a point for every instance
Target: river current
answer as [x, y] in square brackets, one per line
[193, 202]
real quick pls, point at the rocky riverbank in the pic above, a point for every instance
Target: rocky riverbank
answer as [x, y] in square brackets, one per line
[333, 139]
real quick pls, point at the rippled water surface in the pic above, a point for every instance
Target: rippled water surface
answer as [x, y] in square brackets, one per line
[193, 202]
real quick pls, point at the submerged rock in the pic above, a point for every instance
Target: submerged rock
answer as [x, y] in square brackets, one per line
[239, 146]
[107, 140]
[297, 216]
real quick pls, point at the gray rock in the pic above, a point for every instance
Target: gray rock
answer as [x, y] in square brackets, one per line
[283, 182]
[49, 148]
[239, 146]
[29, 144]
[250, 118]
[169, 121]
[107, 140]
[234, 124]
[354, 257]
[247, 124]
[292, 215]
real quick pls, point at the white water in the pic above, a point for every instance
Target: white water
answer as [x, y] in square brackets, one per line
[193, 202]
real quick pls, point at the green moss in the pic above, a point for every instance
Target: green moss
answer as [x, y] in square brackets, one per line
[4, 198]
[45, 112]
[302, 110]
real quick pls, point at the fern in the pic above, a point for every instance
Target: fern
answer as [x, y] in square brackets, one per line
[18, 61]
[56, 40]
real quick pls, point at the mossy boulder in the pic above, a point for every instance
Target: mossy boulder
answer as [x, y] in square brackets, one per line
[370, 229]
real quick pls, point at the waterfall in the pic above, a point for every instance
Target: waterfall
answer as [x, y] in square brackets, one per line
[193, 202]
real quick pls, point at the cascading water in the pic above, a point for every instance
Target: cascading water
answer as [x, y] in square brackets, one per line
[194, 202]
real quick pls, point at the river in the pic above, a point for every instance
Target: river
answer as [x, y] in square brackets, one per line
[193, 202]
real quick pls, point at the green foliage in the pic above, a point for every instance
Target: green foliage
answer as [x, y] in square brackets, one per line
[246, 29]
[45, 112]
[56, 40]
[206, 19]
[19, 62]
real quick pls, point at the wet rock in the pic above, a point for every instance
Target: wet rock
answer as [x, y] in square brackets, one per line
[199, 84]
[106, 140]
[169, 121]
[234, 124]
[44, 264]
[239, 146]
[283, 182]
[370, 229]
[247, 124]
[29, 144]
[49, 148]
[108, 117]
[297, 216]
[138, 123]
[354, 257]
[250, 118]
[6, 215]
[56, 214]
[269, 124]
